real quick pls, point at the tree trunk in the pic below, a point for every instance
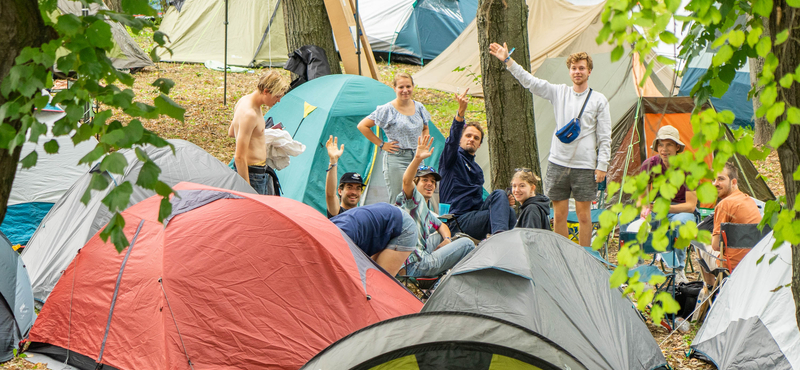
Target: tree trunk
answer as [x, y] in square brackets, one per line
[783, 17]
[21, 25]
[115, 5]
[763, 129]
[509, 106]
[307, 23]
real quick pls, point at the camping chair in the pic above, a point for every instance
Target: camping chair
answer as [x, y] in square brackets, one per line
[735, 237]
[424, 284]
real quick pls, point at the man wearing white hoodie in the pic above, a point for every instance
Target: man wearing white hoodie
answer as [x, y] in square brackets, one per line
[575, 167]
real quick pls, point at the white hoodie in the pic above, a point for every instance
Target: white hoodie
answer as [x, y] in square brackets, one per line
[592, 148]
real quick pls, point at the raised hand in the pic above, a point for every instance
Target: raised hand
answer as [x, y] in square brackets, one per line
[334, 152]
[501, 52]
[424, 149]
[463, 101]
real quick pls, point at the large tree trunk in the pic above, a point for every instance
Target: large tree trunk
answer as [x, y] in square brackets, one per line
[509, 106]
[763, 129]
[21, 25]
[783, 17]
[115, 5]
[307, 23]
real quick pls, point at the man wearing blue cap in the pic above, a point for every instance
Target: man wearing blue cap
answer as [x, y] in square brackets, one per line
[351, 185]
[436, 252]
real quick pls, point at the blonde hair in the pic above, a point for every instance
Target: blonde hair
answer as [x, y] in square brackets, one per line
[573, 58]
[402, 75]
[273, 82]
[525, 174]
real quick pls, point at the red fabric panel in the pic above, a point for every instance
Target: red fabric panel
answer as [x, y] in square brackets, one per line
[261, 282]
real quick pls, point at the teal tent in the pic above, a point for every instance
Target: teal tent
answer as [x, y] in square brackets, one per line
[341, 102]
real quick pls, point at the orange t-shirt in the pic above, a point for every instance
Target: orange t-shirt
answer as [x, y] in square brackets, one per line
[736, 208]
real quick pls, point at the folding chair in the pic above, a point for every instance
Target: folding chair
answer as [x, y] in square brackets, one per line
[423, 284]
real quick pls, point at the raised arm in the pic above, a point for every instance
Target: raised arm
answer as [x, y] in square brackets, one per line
[365, 126]
[535, 85]
[424, 150]
[331, 197]
[452, 143]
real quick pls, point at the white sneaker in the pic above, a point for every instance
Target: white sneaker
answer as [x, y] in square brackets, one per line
[680, 277]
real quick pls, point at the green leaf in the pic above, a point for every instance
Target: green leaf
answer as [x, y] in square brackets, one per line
[760, 259]
[706, 193]
[723, 55]
[771, 260]
[165, 209]
[68, 25]
[628, 214]
[780, 135]
[736, 38]
[169, 107]
[161, 38]
[98, 182]
[29, 160]
[753, 35]
[94, 155]
[764, 46]
[115, 230]
[762, 7]
[793, 115]
[148, 175]
[619, 277]
[781, 37]
[775, 111]
[137, 7]
[786, 80]
[165, 84]
[99, 35]
[619, 22]
[796, 174]
[617, 53]
[668, 37]
[118, 198]
[768, 95]
[669, 304]
[51, 147]
[793, 3]
[114, 163]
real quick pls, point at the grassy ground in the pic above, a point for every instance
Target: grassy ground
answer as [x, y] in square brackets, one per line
[200, 91]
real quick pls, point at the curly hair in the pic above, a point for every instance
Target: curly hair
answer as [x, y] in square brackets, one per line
[573, 58]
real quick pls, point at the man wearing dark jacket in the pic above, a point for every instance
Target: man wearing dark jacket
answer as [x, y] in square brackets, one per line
[462, 181]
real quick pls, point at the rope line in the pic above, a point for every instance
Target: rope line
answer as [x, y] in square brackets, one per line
[180, 337]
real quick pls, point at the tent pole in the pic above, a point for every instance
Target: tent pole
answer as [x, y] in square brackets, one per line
[225, 89]
[358, 39]
[264, 37]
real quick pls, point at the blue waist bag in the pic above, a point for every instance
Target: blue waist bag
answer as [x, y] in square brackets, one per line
[572, 130]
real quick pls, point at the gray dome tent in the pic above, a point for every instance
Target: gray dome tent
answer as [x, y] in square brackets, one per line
[70, 223]
[16, 308]
[543, 282]
[444, 340]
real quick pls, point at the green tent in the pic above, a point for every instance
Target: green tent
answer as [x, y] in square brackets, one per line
[341, 102]
[196, 30]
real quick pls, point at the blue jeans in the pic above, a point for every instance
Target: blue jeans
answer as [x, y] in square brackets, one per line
[495, 215]
[437, 261]
[259, 181]
[680, 254]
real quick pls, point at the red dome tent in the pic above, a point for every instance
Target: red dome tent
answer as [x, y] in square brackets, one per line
[233, 280]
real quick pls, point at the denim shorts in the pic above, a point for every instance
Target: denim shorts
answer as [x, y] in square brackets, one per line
[560, 181]
[407, 240]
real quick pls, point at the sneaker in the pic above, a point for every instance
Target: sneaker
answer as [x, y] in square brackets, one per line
[680, 277]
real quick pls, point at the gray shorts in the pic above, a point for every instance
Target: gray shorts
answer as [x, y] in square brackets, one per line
[407, 240]
[561, 181]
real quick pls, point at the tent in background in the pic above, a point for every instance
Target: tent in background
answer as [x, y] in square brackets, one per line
[126, 53]
[36, 189]
[256, 34]
[70, 223]
[444, 341]
[633, 135]
[559, 291]
[414, 31]
[16, 309]
[230, 280]
[752, 325]
[341, 102]
[735, 99]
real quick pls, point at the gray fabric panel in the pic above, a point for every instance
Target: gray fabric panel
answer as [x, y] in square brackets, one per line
[70, 223]
[567, 299]
[16, 309]
[186, 200]
[433, 328]
[746, 344]
[363, 262]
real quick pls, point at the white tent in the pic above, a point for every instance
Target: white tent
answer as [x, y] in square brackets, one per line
[36, 189]
[751, 325]
[70, 224]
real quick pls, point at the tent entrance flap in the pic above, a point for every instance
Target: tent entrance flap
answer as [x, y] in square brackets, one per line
[266, 32]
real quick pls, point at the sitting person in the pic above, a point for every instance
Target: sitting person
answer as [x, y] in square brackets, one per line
[384, 232]
[351, 184]
[534, 209]
[735, 207]
[683, 207]
[462, 182]
[435, 252]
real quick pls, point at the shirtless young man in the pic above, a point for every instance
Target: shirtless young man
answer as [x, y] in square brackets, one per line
[248, 126]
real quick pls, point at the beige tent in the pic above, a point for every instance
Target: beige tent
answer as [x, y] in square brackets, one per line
[256, 35]
[555, 27]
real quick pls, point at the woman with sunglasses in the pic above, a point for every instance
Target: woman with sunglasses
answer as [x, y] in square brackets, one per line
[403, 120]
[534, 209]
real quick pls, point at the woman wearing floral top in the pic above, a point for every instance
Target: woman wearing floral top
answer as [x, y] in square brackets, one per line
[403, 120]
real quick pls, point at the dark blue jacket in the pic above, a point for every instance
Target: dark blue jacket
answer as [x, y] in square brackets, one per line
[462, 179]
